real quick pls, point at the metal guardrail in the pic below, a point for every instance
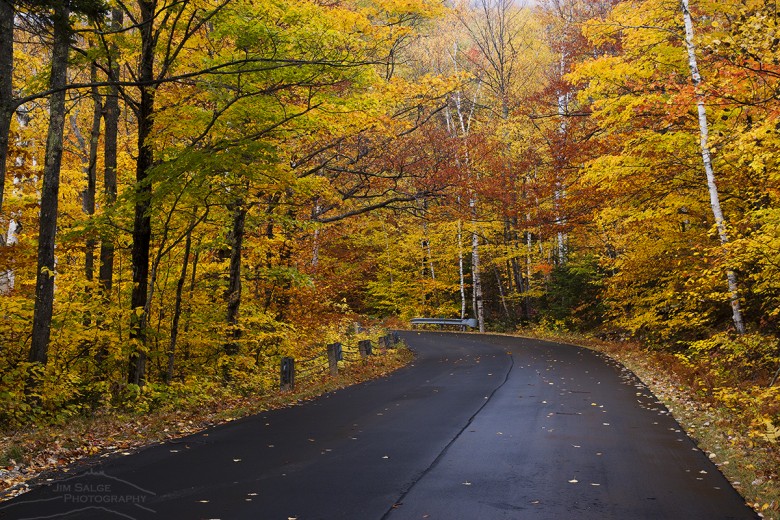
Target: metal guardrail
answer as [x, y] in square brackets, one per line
[469, 322]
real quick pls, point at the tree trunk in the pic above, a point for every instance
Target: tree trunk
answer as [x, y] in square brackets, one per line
[562, 252]
[188, 307]
[7, 110]
[6, 91]
[142, 222]
[476, 276]
[110, 146]
[44, 285]
[502, 295]
[529, 246]
[428, 261]
[88, 195]
[233, 293]
[717, 212]
[462, 278]
[177, 307]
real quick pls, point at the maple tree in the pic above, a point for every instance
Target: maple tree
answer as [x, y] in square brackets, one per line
[232, 164]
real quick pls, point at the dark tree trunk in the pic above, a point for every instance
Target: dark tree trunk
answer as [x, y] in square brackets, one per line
[233, 293]
[142, 223]
[177, 307]
[188, 308]
[111, 132]
[88, 195]
[6, 90]
[285, 256]
[44, 285]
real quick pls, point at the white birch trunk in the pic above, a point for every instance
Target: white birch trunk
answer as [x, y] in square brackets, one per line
[476, 277]
[465, 128]
[8, 278]
[717, 212]
[460, 272]
[560, 193]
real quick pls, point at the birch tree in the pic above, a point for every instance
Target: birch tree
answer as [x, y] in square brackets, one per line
[650, 100]
[712, 187]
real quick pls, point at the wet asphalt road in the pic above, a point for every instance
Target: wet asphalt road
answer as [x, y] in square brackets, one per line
[479, 427]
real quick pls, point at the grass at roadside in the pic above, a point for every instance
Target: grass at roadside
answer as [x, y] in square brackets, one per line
[27, 454]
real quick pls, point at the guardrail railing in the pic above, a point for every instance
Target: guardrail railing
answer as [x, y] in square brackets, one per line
[469, 322]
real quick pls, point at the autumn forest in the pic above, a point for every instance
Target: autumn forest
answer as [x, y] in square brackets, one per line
[195, 188]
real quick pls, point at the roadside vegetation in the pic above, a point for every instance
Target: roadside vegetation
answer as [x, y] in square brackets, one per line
[194, 189]
[29, 455]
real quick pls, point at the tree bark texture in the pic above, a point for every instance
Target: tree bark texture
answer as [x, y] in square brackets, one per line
[110, 146]
[461, 276]
[90, 170]
[142, 222]
[89, 153]
[6, 91]
[233, 293]
[44, 284]
[476, 275]
[177, 307]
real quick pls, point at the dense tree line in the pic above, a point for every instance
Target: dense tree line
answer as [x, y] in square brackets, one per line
[192, 188]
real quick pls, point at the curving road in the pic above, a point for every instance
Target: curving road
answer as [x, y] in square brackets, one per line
[478, 427]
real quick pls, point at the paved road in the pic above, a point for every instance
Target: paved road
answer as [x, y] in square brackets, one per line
[479, 427]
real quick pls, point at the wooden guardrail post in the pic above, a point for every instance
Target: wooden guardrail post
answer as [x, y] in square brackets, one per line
[287, 374]
[364, 347]
[334, 356]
